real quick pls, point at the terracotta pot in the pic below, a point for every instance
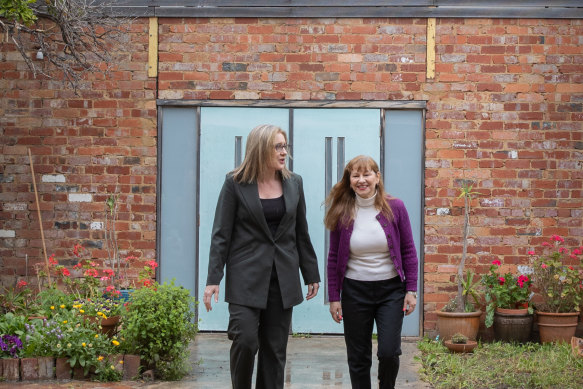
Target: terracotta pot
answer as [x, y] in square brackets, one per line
[557, 327]
[108, 326]
[467, 347]
[512, 325]
[10, 369]
[466, 323]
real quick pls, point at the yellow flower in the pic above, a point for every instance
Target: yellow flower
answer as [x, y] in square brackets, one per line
[100, 358]
[83, 344]
[105, 317]
[112, 367]
[99, 313]
[96, 336]
[82, 311]
[65, 321]
[121, 362]
[115, 342]
[52, 307]
[62, 306]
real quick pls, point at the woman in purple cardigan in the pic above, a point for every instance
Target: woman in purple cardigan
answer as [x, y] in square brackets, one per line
[372, 270]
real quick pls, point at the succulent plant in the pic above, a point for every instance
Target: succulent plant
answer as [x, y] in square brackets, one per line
[459, 338]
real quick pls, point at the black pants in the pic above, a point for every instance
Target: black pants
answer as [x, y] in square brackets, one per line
[363, 303]
[266, 330]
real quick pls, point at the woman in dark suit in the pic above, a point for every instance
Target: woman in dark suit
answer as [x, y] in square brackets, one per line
[372, 270]
[260, 234]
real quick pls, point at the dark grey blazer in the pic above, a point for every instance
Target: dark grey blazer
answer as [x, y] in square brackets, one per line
[241, 240]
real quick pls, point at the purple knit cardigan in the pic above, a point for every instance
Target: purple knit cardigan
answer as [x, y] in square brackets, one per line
[399, 240]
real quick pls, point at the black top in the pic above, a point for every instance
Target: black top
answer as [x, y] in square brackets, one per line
[273, 209]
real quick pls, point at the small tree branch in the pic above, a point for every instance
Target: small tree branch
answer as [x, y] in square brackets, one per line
[76, 37]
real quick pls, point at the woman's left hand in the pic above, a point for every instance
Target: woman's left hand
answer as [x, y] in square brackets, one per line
[409, 304]
[312, 290]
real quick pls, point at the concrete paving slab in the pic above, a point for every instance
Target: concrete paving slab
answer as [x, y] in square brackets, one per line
[312, 362]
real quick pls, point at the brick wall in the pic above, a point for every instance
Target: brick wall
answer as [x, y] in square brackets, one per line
[505, 110]
[84, 148]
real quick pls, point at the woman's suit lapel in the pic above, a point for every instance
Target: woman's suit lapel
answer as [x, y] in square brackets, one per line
[250, 197]
[290, 196]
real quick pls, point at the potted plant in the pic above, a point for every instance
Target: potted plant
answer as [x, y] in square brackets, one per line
[160, 309]
[460, 315]
[459, 343]
[507, 304]
[559, 288]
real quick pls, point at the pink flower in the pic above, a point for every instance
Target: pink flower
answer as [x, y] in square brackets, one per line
[52, 260]
[109, 272]
[104, 278]
[21, 284]
[557, 238]
[66, 272]
[152, 264]
[544, 266]
[496, 262]
[91, 272]
[563, 250]
[110, 288]
[77, 250]
[531, 252]
[501, 280]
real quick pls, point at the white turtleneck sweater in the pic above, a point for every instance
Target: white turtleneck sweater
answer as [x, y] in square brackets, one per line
[370, 259]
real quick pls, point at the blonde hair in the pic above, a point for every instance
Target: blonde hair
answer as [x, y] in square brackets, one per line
[258, 153]
[342, 199]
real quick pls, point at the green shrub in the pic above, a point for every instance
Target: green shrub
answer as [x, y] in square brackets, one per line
[158, 324]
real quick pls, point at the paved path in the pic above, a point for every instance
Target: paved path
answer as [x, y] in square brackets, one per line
[313, 362]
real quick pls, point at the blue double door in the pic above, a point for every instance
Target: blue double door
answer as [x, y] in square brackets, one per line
[198, 146]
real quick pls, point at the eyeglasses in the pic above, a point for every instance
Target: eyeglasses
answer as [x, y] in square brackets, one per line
[279, 147]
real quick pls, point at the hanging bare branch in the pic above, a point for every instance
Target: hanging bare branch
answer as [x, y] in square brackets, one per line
[65, 39]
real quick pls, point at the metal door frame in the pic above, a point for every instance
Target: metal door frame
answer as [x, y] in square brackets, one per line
[383, 106]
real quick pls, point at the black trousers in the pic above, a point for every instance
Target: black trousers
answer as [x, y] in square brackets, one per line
[266, 331]
[363, 303]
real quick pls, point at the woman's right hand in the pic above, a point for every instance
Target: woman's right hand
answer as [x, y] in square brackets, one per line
[208, 294]
[336, 311]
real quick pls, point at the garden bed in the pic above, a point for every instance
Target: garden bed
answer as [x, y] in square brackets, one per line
[501, 365]
[127, 367]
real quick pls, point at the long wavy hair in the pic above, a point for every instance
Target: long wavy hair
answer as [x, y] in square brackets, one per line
[341, 202]
[258, 154]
